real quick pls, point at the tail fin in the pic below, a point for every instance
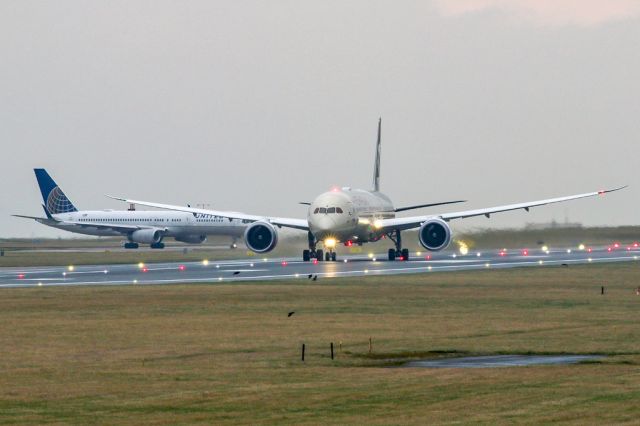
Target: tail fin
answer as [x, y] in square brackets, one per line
[376, 164]
[54, 199]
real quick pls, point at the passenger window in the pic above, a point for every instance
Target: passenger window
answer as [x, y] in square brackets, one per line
[323, 210]
[331, 210]
[339, 210]
[316, 210]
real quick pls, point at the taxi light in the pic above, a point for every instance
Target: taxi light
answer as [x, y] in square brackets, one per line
[330, 242]
[145, 269]
[284, 263]
[181, 267]
[20, 276]
[525, 252]
[70, 268]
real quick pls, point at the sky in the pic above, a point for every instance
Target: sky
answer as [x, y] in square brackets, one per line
[255, 106]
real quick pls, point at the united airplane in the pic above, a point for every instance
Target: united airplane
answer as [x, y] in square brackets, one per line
[138, 227]
[356, 216]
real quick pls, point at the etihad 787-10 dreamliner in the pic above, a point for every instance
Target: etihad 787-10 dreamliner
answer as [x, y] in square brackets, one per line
[138, 227]
[355, 216]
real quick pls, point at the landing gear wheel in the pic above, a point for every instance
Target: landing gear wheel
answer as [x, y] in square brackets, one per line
[333, 256]
[157, 246]
[131, 245]
[319, 254]
[305, 255]
[392, 255]
[327, 256]
[405, 254]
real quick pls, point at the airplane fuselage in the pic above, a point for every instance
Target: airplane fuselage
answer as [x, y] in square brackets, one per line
[348, 214]
[173, 224]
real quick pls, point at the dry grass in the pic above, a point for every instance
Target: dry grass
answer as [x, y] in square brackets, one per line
[208, 354]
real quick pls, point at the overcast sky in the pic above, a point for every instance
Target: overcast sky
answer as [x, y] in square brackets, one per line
[256, 105]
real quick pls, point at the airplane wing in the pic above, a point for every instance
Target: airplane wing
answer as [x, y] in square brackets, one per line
[124, 229]
[301, 224]
[416, 221]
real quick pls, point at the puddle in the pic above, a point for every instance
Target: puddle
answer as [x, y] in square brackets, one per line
[502, 361]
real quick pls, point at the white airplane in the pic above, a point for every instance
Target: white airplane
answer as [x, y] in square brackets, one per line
[355, 216]
[138, 227]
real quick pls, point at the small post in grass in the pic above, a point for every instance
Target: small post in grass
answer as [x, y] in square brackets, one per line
[303, 352]
[370, 345]
[602, 290]
[331, 350]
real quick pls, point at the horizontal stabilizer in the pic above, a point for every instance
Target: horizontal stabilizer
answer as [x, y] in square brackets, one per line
[401, 209]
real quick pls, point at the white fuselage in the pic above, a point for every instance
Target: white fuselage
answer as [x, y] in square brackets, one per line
[349, 215]
[173, 224]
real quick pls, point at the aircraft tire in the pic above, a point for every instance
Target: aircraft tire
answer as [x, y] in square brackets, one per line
[405, 254]
[392, 255]
[305, 255]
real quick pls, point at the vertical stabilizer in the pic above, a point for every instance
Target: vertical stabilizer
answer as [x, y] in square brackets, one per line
[55, 201]
[376, 165]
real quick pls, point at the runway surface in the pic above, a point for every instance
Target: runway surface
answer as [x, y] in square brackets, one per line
[260, 269]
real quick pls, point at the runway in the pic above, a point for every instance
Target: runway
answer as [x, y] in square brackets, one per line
[262, 269]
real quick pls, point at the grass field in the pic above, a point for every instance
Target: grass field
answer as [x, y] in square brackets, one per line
[216, 354]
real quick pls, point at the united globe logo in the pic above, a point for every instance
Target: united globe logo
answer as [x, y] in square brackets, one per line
[57, 202]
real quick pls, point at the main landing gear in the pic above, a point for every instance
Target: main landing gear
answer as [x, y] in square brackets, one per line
[131, 245]
[398, 253]
[157, 246]
[317, 254]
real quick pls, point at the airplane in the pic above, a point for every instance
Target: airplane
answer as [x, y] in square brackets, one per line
[356, 216]
[138, 227]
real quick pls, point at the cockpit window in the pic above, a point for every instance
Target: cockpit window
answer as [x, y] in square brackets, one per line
[323, 210]
[316, 210]
[339, 210]
[331, 210]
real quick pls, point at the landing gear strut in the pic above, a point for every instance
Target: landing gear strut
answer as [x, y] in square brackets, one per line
[317, 254]
[398, 252]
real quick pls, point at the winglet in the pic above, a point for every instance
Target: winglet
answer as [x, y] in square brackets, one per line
[606, 191]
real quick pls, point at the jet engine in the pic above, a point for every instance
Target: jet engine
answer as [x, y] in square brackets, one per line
[261, 237]
[191, 239]
[146, 236]
[434, 234]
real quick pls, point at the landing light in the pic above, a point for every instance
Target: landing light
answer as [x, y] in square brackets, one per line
[464, 249]
[377, 224]
[581, 247]
[70, 268]
[370, 255]
[205, 262]
[140, 265]
[418, 253]
[330, 242]
[545, 249]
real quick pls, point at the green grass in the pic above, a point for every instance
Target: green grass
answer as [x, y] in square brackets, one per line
[216, 354]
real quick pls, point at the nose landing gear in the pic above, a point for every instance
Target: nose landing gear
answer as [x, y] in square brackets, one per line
[317, 254]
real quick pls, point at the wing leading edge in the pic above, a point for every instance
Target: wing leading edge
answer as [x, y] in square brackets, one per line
[416, 221]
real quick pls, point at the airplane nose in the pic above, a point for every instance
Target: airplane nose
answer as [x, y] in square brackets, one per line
[323, 223]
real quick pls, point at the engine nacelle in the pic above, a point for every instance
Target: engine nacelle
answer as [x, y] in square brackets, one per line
[261, 237]
[191, 239]
[434, 234]
[146, 236]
